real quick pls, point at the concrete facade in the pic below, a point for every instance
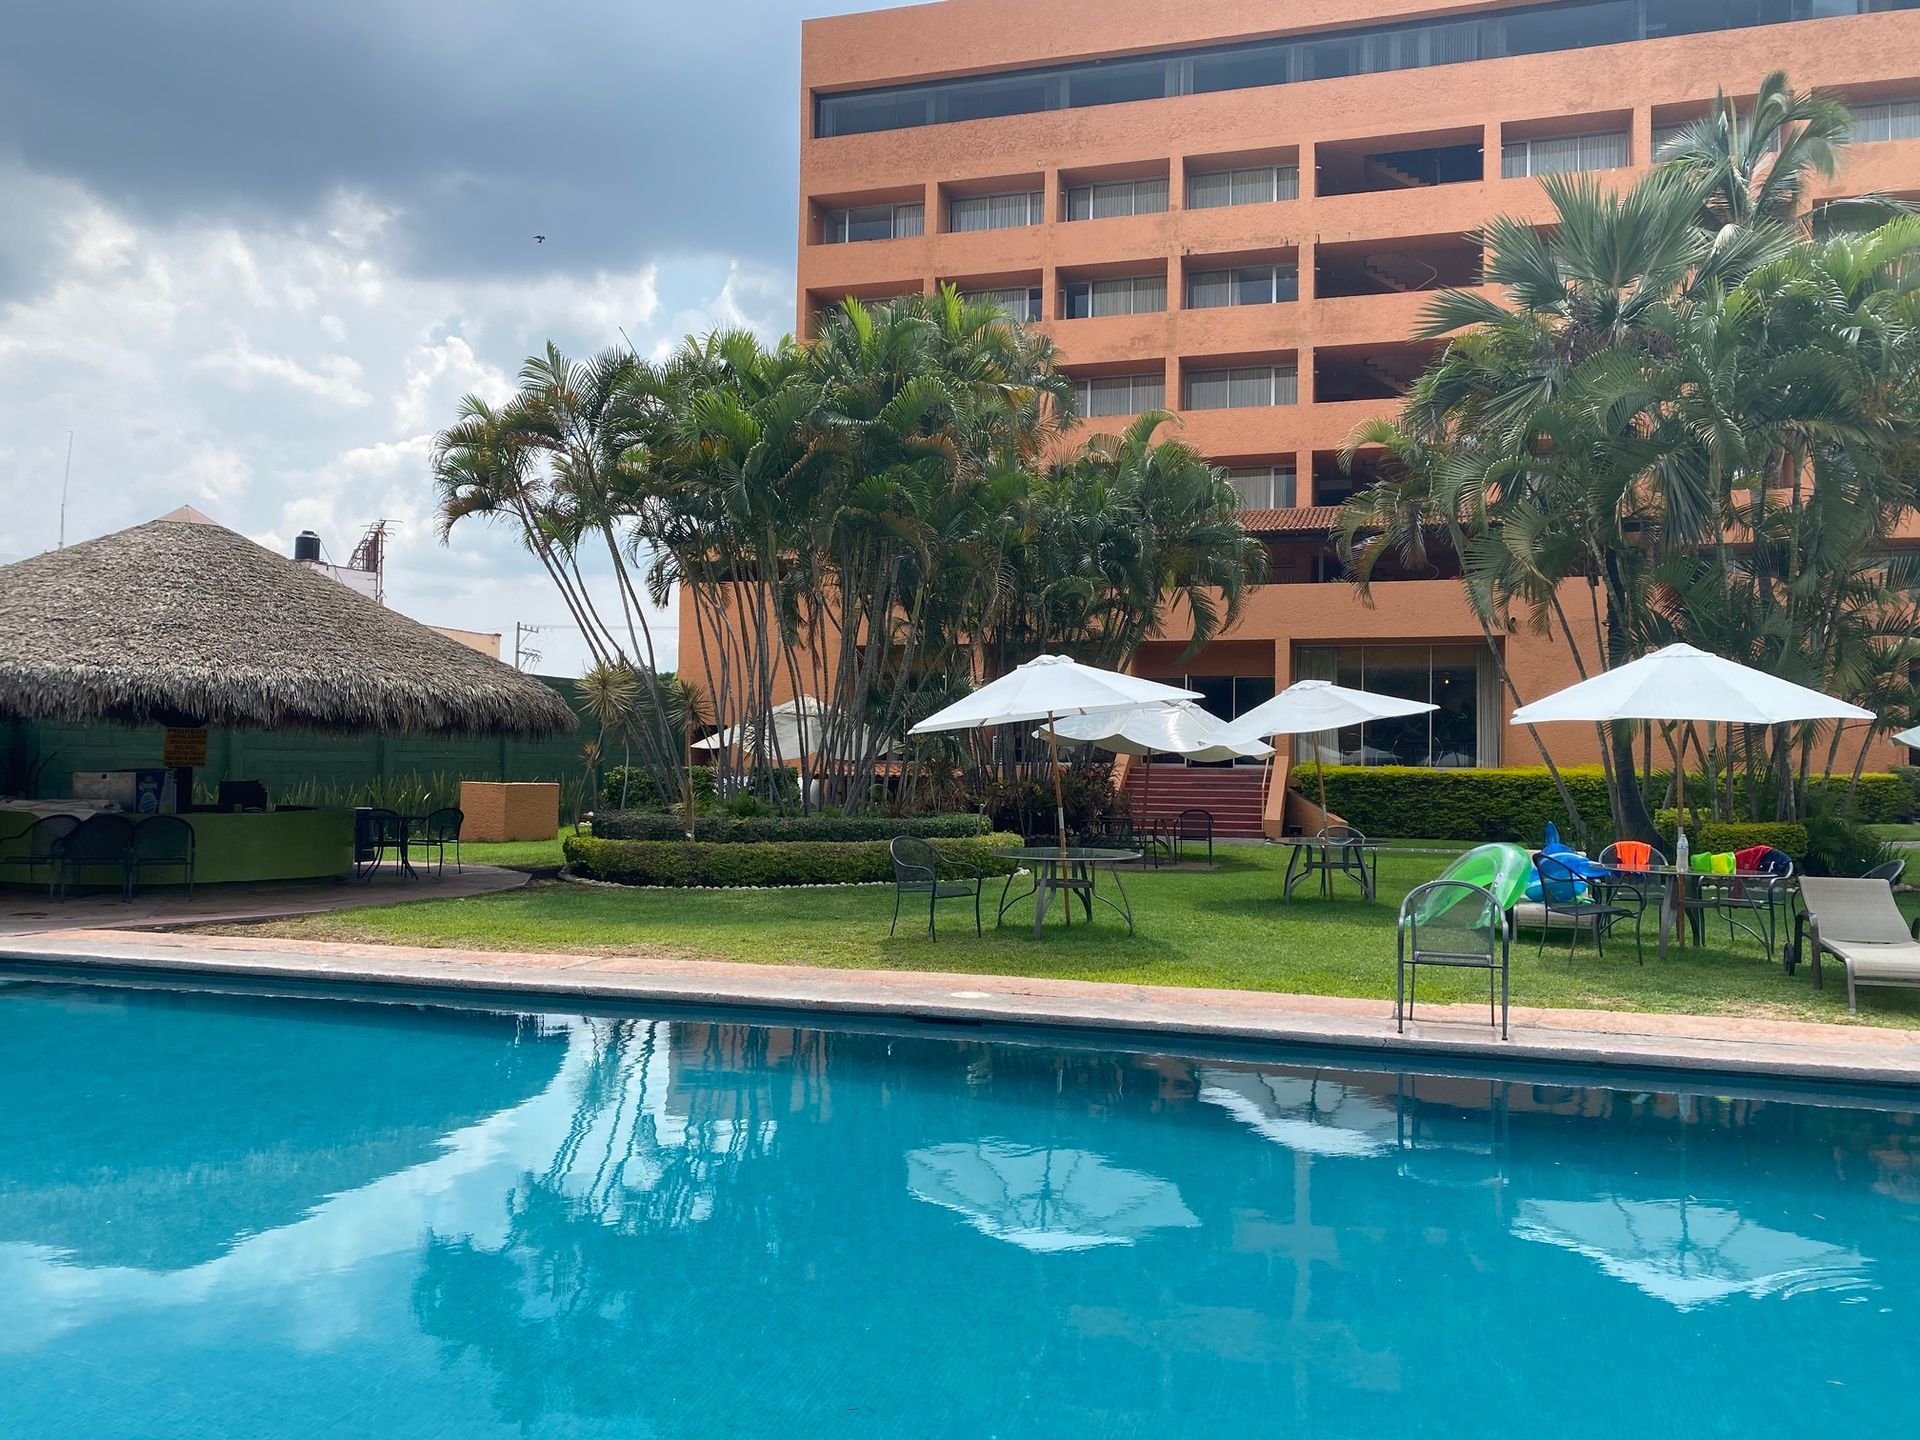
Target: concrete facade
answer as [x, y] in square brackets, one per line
[1369, 240]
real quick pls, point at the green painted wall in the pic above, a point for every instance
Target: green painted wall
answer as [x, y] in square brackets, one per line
[282, 759]
[280, 845]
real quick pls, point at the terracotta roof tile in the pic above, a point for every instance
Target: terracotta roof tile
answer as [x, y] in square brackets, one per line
[1317, 519]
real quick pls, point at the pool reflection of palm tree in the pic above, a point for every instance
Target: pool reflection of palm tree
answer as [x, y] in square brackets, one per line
[551, 1310]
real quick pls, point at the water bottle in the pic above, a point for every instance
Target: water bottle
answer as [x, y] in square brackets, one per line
[1680, 852]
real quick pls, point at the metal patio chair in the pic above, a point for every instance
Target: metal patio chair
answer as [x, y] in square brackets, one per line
[1459, 926]
[1599, 911]
[161, 842]
[1194, 825]
[919, 870]
[378, 834]
[41, 837]
[437, 830]
[100, 842]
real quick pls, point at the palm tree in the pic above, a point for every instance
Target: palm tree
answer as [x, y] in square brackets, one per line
[1664, 365]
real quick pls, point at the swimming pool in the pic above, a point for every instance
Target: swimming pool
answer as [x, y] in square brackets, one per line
[239, 1215]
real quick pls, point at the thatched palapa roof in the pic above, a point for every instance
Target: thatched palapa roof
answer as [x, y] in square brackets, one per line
[181, 621]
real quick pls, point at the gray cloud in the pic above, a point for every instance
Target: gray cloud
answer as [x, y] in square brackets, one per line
[617, 129]
[253, 253]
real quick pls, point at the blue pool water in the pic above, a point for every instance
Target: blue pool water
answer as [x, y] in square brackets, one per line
[224, 1215]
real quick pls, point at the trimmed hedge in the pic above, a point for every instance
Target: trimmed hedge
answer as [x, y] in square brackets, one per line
[1510, 804]
[1718, 835]
[798, 862]
[1516, 804]
[762, 829]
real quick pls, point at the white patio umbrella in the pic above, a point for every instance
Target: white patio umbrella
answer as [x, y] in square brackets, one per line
[796, 729]
[1308, 1113]
[1181, 728]
[1050, 688]
[1680, 682]
[1310, 707]
[1045, 1199]
[1688, 1254]
[1908, 738]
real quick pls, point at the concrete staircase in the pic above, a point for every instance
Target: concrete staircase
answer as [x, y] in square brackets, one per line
[1232, 795]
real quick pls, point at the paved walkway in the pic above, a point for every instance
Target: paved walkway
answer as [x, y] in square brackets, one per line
[1769, 1049]
[29, 913]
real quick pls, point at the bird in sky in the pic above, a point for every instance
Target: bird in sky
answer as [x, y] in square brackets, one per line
[539, 239]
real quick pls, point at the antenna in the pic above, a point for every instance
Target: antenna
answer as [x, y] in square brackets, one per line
[65, 476]
[370, 557]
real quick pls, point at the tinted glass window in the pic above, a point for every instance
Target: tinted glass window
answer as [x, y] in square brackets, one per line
[1572, 24]
[984, 99]
[1571, 28]
[1243, 69]
[1116, 83]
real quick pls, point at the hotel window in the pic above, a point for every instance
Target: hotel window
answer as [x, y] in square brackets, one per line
[1462, 733]
[1121, 394]
[997, 212]
[1211, 189]
[1564, 154]
[1895, 120]
[1263, 487]
[1018, 302]
[1664, 135]
[1124, 295]
[1243, 387]
[1117, 197]
[1244, 285]
[872, 222]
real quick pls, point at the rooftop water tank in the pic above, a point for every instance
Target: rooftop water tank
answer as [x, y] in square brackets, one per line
[306, 546]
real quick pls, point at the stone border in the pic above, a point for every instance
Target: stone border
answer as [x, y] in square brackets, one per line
[1162, 1017]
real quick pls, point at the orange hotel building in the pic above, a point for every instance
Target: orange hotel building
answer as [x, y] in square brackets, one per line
[1233, 211]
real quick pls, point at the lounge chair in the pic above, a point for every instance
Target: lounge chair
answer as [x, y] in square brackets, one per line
[1858, 923]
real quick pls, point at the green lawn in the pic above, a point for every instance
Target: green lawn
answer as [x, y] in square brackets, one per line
[1226, 927]
[516, 854]
[1898, 831]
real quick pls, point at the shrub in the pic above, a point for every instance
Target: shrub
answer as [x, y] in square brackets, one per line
[1410, 801]
[784, 862]
[629, 787]
[1712, 836]
[1086, 793]
[1837, 844]
[733, 830]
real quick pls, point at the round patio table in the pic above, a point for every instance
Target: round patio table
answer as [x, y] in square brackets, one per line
[1070, 872]
[1312, 855]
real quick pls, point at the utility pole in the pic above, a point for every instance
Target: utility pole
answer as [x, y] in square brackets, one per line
[65, 476]
[522, 655]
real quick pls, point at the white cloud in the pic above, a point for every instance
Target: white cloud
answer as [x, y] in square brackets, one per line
[333, 378]
[291, 376]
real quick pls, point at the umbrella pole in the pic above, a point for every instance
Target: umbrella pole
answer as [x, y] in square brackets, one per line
[1059, 804]
[1320, 772]
[1146, 788]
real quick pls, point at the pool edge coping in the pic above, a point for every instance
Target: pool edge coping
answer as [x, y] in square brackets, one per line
[1085, 1008]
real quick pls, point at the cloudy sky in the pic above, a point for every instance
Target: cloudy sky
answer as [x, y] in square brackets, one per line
[252, 254]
